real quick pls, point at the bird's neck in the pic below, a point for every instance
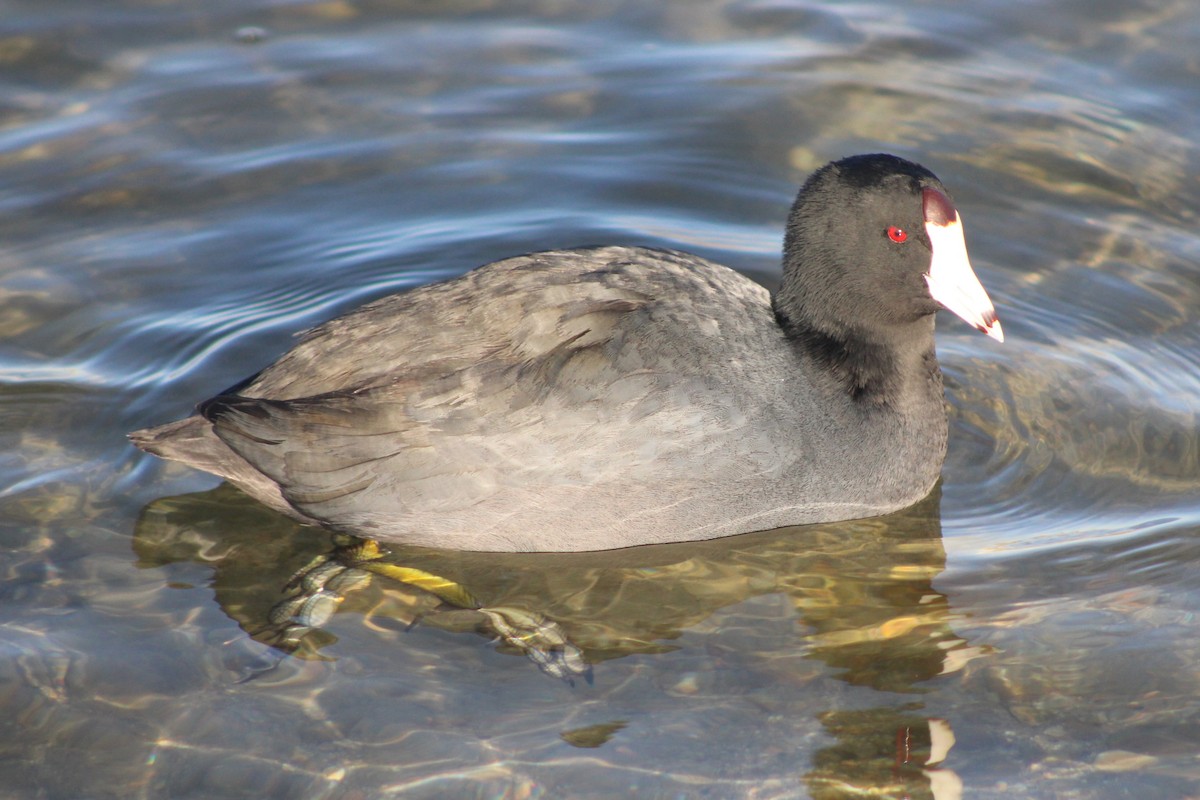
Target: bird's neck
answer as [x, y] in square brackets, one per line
[875, 370]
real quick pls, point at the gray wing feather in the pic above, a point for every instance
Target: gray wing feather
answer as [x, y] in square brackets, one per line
[572, 377]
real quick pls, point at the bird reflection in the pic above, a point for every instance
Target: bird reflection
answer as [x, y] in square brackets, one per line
[862, 592]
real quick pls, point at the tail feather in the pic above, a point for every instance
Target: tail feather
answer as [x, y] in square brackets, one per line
[191, 441]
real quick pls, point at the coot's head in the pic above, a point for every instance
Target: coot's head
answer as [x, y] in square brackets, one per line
[874, 246]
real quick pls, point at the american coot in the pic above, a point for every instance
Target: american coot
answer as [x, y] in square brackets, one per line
[612, 396]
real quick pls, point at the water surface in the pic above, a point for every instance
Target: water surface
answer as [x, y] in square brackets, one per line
[184, 186]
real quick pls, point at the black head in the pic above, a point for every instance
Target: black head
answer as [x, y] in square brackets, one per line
[843, 268]
[859, 266]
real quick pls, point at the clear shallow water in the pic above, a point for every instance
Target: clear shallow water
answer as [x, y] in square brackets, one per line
[176, 200]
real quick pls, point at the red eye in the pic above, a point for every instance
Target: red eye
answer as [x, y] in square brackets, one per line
[897, 235]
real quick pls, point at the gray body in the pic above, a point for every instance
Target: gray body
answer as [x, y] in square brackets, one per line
[569, 400]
